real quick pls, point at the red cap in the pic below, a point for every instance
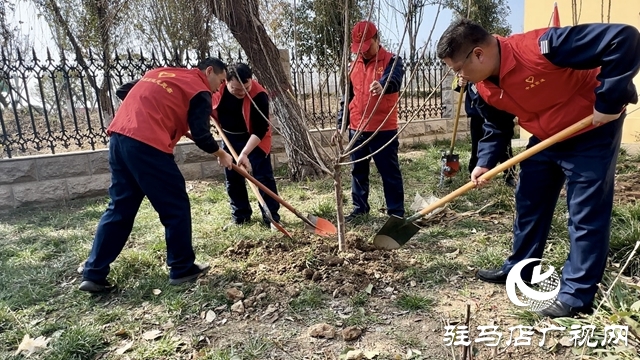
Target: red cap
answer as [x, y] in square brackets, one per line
[363, 32]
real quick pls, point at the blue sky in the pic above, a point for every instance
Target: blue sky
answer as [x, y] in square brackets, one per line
[391, 25]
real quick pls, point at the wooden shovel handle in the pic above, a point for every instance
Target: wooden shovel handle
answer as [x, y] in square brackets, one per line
[582, 124]
[255, 190]
[244, 173]
[255, 182]
[225, 139]
[455, 124]
[235, 156]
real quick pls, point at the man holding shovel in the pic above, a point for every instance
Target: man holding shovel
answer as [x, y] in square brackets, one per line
[552, 78]
[157, 110]
[241, 108]
[374, 85]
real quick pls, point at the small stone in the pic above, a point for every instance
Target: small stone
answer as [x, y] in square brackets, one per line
[259, 288]
[270, 310]
[355, 355]
[322, 330]
[249, 302]
[293, 291]
[234, 294]
[308, 273]
[334, 260]
[351, 333]
[238, 307]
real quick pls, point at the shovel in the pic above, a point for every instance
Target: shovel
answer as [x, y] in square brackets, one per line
[397, 231]
[263, 204]
[316, 225]
[451, 162]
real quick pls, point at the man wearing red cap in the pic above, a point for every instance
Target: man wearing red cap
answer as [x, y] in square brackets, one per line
[374, 83]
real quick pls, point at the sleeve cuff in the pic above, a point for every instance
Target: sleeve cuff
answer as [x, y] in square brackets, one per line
[607, 108]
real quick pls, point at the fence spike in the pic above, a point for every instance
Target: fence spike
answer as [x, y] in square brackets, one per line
[303, 70]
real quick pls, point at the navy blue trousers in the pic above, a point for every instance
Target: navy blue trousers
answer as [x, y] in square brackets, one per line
[586, 163]
[237, 187]
[388, 166]
[139, 170]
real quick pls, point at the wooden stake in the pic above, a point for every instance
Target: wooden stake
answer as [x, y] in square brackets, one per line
[467, 349]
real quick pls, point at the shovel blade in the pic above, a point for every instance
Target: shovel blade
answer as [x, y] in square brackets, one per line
[322, 227]
[395, 233]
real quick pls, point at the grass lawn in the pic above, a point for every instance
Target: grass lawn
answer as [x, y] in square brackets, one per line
[266, 295]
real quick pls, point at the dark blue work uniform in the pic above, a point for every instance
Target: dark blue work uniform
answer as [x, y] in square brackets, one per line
[586, 163]
[503, 120]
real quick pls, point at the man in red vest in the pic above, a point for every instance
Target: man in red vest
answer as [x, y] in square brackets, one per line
[374, 83]
[157, 110]
[552, 78]
[241, 107]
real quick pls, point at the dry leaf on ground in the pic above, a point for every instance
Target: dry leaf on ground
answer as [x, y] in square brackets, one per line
[30, 345]
[152, 334]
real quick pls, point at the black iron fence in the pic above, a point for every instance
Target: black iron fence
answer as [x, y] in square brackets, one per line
[58, 105]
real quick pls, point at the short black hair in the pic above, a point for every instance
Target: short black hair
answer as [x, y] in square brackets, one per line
[460, 37]
[217, 64]
[239, 71]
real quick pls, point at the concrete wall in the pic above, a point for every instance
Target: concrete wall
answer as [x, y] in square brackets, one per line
[62, 177]
[537, 14]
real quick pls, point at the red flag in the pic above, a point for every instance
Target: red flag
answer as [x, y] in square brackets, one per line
[555, 19]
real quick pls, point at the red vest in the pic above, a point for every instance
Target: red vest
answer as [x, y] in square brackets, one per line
[364, 102]
[155, 109]
[545, 98]
[256, 88]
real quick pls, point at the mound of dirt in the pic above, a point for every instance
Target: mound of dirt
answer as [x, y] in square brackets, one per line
[317, 262]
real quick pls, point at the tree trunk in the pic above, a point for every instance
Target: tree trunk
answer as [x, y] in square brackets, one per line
[242, 18]
[104, 27]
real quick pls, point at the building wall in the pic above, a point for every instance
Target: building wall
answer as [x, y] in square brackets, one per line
[537, 14]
